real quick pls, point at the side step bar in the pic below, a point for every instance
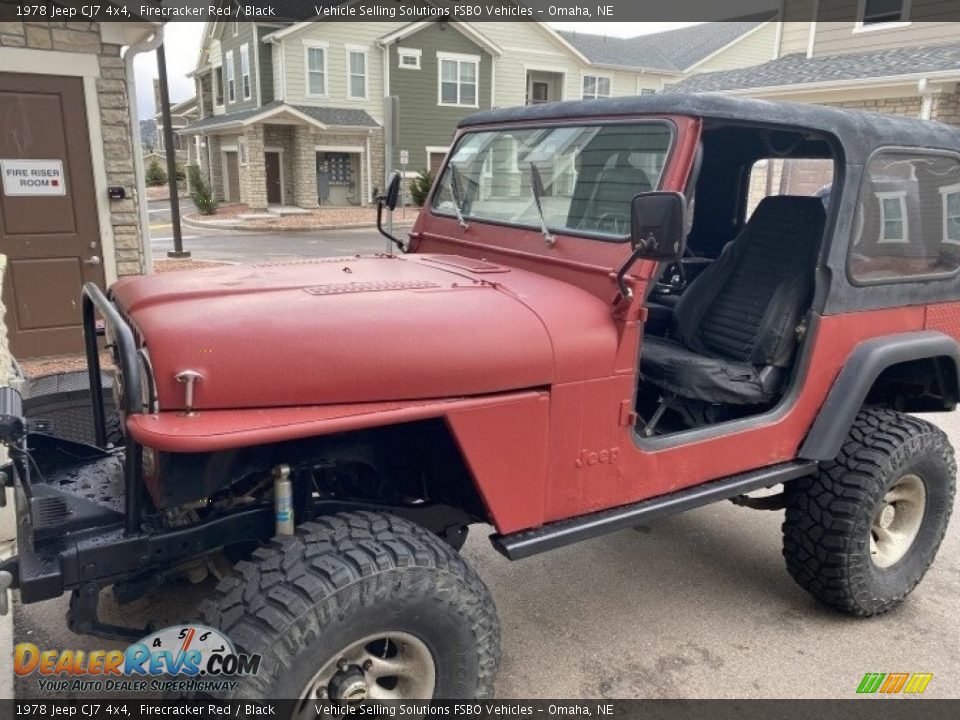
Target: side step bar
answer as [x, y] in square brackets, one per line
[525, 543]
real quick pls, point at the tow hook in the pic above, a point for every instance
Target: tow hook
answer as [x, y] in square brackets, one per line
[348, 685]
[6, 580]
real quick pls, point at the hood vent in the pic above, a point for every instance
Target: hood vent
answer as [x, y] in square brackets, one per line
[359, 287]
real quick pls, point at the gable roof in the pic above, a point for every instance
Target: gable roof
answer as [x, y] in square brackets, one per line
[669, 51]
[466, 29]
[322, 116]
[828, 69]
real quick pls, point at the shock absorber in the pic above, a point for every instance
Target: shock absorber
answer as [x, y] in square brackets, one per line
[283, 499]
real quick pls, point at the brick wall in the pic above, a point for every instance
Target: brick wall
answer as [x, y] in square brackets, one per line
[903, 106]
[84, 37]
[946, 108]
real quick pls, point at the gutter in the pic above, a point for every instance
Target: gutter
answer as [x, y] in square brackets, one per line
[138, 173]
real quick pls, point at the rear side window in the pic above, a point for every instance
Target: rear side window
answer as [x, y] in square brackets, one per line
[908, 218]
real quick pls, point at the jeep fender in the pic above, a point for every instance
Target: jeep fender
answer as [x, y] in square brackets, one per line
[861, 370]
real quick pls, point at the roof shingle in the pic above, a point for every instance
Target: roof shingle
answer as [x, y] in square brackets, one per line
[799, 69]
[339, 117]
[671, 50]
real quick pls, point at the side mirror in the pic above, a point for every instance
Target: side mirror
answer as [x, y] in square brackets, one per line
[390, 198]
[657, 225]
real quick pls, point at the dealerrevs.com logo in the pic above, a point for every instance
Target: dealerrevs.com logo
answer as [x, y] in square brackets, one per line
[181, 658]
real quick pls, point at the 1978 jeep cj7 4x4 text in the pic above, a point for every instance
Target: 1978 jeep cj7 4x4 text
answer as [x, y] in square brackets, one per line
[607, 312]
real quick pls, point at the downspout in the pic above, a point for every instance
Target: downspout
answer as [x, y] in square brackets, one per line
[139, 178]
[926, 99]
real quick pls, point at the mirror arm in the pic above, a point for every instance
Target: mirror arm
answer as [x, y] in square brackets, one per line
[382, 230]
[626, 293]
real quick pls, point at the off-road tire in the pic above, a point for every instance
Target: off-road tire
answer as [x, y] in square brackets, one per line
[826, 532]
[301, 599]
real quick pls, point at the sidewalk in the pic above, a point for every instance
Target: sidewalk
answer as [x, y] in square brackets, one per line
[294, 219]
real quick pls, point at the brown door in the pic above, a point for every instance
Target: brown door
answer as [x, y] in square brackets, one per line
[436, 160]
[274, 189]
[232, 190]
[48, 212]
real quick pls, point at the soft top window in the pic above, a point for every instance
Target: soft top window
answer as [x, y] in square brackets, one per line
[908, 218]
[589, 176]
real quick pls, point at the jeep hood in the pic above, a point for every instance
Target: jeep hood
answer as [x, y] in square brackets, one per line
[339, 330]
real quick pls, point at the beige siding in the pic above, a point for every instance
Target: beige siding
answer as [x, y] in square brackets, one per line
[337, 36]
[838, 38]
[529, 47]
[796, 37]
[754, 49]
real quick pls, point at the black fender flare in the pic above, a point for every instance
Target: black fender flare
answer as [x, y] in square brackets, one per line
[860, 371]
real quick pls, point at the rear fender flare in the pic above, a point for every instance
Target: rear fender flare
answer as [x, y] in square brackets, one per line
[860, 371]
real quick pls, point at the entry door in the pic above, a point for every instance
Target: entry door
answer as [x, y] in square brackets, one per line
[48, 226]
[232, 176]
[274, 188]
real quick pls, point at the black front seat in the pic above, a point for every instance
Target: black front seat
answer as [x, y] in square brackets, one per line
[734, 329]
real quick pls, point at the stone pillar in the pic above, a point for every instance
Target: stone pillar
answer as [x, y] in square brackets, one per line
[253, 175]
[216, 166]
[378, 160]
[304, 162]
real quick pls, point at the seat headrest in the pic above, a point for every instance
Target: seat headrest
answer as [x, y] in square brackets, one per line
[792, 205]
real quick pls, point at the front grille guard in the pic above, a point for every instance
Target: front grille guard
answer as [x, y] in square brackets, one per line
[126, 353]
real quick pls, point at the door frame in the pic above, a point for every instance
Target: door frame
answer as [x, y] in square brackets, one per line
[225, 176]
[86, 66]
[283, 184]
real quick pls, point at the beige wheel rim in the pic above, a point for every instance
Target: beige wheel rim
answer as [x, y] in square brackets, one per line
[897, 521]
[386, 666]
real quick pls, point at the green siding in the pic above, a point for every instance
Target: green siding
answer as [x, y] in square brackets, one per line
[231, 44]
[266, 65]
[421, 122]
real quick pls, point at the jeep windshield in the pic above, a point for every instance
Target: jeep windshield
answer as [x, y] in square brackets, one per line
[589, 173]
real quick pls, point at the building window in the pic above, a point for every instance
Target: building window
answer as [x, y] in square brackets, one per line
[409, 58]
[876, 12]
[218, 85]
[245, 70]
[458, 80]
[231, 79]
[236, 28]
[893, 217]
[647, 91]
[595, 86]
[316, 70]
[357, 74]
[951, 214]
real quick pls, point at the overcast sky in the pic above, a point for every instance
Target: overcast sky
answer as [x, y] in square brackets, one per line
[183, 45]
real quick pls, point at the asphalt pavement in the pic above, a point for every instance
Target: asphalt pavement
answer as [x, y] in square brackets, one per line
[695, 606]
[257, 246]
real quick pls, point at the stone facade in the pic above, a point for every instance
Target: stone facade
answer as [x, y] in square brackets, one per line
[253, 174]
[298, 166]
[84, 37]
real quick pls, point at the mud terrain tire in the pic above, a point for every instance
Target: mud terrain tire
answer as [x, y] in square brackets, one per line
[832, 516]
[300, 600]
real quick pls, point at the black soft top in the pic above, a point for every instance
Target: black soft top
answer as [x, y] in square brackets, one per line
[858, 131]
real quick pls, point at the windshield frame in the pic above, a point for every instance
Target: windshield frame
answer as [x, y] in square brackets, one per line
[666, 122]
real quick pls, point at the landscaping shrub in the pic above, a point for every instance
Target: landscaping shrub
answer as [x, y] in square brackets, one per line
[200, 191]
[420, 187]
[156, 175]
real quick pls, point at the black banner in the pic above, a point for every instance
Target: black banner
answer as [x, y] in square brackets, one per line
[862, 709]
[406, 11]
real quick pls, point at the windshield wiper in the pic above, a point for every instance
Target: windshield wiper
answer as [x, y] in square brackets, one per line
[536, 183]
[456, 190]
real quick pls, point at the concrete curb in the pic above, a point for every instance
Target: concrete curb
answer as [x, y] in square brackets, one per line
[216, 225]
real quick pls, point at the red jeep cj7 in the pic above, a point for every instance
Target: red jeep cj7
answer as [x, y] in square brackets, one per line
[608, 311]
